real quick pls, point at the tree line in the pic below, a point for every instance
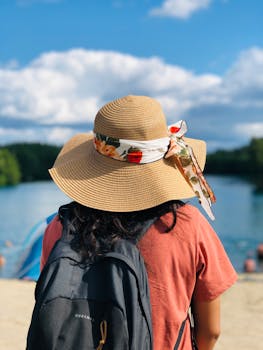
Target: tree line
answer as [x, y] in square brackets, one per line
[23, 162]
[247, 160]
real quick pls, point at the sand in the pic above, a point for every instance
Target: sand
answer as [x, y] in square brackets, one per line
[241, 325]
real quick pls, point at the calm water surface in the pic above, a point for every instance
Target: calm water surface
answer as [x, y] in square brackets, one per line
[238, 211]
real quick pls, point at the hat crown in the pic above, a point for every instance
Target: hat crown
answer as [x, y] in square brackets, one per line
[132, 118]
[100, 182]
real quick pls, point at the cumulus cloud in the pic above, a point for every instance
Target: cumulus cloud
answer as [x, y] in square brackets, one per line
[71, 86]
[56, 135]
[250, 129]
[244, 80]
[59, 94]
[179, 8]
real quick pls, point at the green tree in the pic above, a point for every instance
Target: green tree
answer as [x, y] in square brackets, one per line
[228, 162]
[34, 159]
[9, 168]
[247, 160]
[256, 155]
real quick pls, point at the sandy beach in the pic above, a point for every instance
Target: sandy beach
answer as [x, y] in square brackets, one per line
[242, 314]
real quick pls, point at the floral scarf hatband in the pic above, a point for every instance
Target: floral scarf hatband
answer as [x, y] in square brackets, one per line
[186, 162]
[173, 147]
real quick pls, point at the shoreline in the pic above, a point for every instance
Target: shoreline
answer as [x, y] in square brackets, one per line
[241, 320]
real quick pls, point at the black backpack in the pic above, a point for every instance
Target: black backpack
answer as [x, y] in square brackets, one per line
[103, 305]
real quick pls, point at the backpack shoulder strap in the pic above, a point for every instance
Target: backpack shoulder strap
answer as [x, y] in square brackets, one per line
[180, 334]
[123, 258]
[142, 230]
[127, 252]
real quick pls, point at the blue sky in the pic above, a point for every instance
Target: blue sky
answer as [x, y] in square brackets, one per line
[61, 60]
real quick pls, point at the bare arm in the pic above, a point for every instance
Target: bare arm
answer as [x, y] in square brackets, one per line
[207, 323]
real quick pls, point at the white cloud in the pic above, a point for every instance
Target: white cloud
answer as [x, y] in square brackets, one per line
[179, 8]
[56, 135]
[244, 80]
[250, 129]
[12, 64]
[59, 134]
[60, 91]
[71, 86]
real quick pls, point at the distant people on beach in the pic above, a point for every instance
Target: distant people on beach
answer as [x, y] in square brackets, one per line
[250, 265]
[254, 260]
[260, 252]
[2, 260]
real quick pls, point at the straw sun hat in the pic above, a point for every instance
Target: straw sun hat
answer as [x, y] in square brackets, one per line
[100, 182]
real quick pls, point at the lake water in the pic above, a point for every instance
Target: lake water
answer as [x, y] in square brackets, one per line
[238, 211]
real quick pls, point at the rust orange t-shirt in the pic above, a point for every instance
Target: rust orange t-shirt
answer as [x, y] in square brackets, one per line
[188, 262]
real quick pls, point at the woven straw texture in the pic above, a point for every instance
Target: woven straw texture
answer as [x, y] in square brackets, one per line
[100, 182]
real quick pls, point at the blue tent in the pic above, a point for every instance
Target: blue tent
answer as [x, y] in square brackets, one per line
[30, 265]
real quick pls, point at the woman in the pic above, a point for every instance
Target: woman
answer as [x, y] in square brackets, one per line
[131, 169]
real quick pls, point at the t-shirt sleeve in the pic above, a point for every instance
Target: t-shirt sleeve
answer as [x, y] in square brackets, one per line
[215, 273]
[52, 234]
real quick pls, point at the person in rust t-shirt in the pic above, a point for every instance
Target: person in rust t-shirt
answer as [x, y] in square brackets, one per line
[131, 164]
[186, 263]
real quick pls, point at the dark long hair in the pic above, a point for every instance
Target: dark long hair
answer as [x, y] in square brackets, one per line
[94, 231]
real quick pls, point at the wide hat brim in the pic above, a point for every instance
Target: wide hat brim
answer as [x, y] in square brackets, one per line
[100, 182]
